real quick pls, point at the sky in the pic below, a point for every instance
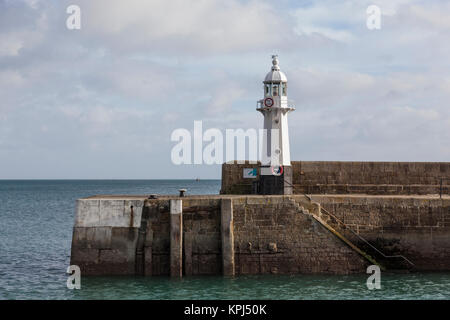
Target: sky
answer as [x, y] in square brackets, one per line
[102, 102]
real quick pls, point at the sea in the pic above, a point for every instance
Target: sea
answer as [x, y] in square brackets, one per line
[36, 221]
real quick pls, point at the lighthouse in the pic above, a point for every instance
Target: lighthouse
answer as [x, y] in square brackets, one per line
[276, 170]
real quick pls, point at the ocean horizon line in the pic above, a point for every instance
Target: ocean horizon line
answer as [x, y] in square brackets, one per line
[115, 179]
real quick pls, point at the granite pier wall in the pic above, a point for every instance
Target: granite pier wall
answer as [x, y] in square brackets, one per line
[347, 177]
[415, 227]
[235, 234]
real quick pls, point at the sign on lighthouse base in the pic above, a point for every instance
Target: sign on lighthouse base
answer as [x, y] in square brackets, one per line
[275, 180]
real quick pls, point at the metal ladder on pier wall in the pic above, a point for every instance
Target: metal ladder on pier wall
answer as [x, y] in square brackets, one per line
[349, 237]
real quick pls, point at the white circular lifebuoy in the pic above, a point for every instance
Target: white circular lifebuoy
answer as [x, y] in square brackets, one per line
[277, 170]
[268, 102]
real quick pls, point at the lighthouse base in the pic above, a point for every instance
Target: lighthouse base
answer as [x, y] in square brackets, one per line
[273, 184]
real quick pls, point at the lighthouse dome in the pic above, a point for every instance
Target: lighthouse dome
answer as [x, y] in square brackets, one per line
[275, 75]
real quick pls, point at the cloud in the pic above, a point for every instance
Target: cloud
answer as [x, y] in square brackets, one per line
[435, 16]
[102, 102]
[187, 27]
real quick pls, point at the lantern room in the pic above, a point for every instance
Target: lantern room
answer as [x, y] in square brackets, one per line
[275, 87]
[275, 83]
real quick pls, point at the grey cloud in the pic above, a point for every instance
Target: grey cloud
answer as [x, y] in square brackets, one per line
[102, 102]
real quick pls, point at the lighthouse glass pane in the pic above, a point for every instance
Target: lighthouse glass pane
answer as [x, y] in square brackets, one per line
[267, 89]
[275, 90]
[284, 86]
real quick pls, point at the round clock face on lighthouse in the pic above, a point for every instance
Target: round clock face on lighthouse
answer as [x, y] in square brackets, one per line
[268, 102]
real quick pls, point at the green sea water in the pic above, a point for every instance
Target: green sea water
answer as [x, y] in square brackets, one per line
[36, 220]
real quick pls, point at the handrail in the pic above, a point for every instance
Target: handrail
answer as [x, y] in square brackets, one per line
[290, 184]
[293, 187]
[364, 240]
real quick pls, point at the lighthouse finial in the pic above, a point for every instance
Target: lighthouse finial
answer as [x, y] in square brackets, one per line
[275, 62]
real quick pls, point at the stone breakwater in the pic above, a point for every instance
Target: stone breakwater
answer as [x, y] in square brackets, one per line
[350, 177]
[252, 234]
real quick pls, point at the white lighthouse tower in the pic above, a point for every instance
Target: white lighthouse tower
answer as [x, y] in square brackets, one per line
[276, 170]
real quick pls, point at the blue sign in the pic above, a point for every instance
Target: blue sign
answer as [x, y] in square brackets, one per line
[250, 173]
